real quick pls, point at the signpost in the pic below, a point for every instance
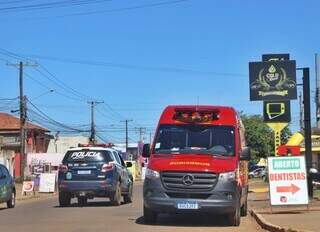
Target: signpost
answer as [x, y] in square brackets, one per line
[288, 180]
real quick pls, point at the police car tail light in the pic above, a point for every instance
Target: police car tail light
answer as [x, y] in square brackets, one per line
[63, 168]
[107, 167]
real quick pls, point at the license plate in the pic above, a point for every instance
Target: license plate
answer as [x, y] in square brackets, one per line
[187, 205]
[84, 172]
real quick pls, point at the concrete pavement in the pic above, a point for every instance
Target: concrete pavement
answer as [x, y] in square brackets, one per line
[45, 215]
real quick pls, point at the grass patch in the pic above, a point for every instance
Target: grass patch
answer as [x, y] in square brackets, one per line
[316, 193]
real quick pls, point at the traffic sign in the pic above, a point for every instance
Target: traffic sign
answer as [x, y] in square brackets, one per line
[276, 111]
[288, 180]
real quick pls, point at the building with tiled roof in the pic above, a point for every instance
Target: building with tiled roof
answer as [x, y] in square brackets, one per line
[37, 140]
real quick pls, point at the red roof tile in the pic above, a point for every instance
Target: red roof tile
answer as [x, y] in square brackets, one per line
[9, 122]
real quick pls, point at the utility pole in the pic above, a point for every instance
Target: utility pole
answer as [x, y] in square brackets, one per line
[93, 126]
[301, 113]
[23, 117]
[317, 65]
[307, 126]
[127, 136]
[141, 131]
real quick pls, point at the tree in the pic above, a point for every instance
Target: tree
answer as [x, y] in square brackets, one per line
[260, 137]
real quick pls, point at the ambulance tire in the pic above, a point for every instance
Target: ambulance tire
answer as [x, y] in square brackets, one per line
[234, 217]
[149, 216]
[244, 208]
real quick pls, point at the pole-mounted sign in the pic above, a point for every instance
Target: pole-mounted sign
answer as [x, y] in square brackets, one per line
[276, 111]
[275, 57]
[273, 80]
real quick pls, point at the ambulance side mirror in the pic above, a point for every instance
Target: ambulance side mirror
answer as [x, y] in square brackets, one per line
[146, 150]
[245, 154]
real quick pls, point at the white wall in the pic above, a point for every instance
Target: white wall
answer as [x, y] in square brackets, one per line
[62, 144]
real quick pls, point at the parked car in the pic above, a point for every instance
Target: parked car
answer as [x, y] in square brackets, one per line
[314, 175]
[256, 172]
[93, 171]
[7, 188]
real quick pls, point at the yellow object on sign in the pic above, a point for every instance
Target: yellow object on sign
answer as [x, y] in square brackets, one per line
[277, 127]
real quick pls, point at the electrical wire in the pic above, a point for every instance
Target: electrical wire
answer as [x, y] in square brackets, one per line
[49, 5]
[121, 9]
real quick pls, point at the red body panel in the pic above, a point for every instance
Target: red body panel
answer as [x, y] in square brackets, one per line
[196, 163]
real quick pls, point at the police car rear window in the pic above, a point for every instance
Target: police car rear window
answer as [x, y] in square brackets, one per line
[88, 156]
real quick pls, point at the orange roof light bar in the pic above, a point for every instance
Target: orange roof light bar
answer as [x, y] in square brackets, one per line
[195, 116]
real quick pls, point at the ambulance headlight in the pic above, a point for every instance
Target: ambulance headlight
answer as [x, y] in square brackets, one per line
[151, 174]
[229, 176]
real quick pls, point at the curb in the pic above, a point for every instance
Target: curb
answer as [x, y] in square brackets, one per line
[271, 227]
[25, 198]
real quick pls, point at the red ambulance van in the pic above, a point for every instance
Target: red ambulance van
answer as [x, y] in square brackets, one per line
[198, 163]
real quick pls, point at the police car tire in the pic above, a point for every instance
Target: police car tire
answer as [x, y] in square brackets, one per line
[116, 198]
[64, 199]
[12, 201]
[128, 198]
[149, 216]
[82, 201]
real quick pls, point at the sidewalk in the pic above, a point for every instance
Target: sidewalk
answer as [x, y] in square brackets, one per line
[282, 218]
[20, 197]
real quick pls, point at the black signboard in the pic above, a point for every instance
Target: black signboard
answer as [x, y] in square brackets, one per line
[276, 111]
[273, 80]
[275, 57]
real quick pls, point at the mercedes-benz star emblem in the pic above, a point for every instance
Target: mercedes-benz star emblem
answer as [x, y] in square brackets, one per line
[188, 179]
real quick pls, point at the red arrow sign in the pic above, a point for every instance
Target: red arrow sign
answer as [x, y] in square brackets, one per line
[288, 189]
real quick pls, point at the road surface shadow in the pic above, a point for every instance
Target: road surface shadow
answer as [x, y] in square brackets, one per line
[188, 220]
[89, 204]
[3, 208]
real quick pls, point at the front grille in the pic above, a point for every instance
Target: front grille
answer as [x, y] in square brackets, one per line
[189, 195]
[202, 181]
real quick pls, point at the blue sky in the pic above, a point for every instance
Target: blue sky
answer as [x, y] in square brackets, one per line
[196, 50]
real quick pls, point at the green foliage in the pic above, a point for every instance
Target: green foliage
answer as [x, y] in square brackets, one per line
[260, 137]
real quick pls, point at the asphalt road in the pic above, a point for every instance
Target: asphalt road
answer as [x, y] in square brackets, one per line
[45, 215]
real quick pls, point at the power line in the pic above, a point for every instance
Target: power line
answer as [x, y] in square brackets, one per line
[49, 5]
[108, 11]
[52, 121]
[137, 67]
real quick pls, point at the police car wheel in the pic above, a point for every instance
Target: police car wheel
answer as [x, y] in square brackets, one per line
[128, 198]
[116, 198]
[12, 201]
[82, 201]
[64, 199]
